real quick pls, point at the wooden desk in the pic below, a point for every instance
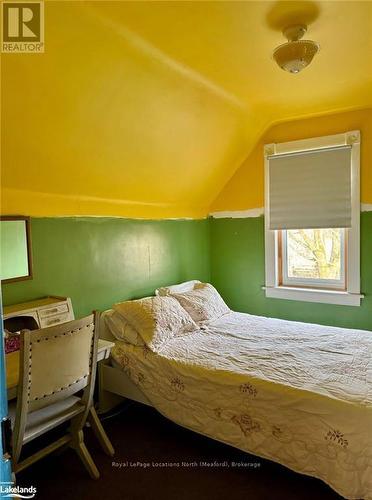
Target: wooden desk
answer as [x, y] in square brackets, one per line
[12, 365]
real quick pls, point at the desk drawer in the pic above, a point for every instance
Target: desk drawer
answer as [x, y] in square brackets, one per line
[55, 320]
[53, 311]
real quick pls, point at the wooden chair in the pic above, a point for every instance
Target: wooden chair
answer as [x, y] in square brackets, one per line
[55, 364]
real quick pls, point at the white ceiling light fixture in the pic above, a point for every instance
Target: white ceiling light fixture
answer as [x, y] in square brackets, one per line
[296, 54]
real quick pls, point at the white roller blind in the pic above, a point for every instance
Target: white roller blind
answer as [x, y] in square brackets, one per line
[310, 189]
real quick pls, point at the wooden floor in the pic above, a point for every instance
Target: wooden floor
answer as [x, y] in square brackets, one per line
[140, 434]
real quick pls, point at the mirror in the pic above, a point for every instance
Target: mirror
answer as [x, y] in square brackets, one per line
[15, 249]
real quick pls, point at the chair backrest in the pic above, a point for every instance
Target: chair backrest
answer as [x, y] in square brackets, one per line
[57, 362]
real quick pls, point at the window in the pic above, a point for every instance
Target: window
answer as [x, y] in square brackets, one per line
[312, 258]
[312, 220]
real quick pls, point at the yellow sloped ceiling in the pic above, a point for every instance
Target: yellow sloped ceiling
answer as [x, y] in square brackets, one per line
[146, 109]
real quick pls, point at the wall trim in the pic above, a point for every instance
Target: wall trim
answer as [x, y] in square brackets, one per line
[238, 214]
[366, 207]
[258, 212]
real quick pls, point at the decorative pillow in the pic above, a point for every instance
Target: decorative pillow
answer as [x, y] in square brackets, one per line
[121, 329]
[203, 303]
[156, 319]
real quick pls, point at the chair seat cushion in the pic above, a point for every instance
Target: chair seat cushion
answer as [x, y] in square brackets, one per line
[45, 419]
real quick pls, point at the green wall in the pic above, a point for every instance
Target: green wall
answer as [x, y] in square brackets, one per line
[238, 272]
[99, 261]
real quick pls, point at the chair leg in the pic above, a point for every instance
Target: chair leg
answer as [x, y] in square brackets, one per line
[100, 433]
[79, 446]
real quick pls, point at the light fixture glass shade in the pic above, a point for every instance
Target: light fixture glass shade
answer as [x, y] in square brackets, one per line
[295, 56]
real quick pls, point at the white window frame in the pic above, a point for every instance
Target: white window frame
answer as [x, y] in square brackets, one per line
[351, 296]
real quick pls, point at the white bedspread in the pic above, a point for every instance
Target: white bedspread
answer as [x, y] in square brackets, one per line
[297, 393]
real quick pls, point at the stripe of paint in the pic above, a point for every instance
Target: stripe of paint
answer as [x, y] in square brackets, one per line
[366, 207]
[257, 212]
[238, 214]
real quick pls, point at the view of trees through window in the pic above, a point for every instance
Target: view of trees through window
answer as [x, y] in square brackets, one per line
[314, 253]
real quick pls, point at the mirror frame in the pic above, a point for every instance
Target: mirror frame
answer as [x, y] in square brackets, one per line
[29, 247]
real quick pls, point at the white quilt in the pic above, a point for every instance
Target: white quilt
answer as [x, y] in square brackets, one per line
[297, 393]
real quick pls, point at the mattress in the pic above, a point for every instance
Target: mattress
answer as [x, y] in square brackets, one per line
[296, 393]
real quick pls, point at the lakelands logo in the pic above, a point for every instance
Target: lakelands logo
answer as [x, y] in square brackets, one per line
[22, 27]
[8, 490]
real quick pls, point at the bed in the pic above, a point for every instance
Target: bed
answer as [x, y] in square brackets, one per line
[299, 394]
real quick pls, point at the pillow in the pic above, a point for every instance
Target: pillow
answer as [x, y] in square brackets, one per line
[156, 319]
[203, 303]
[121, 329]
[186, 286]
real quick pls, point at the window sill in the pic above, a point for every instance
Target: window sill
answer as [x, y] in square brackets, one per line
[314, 295]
